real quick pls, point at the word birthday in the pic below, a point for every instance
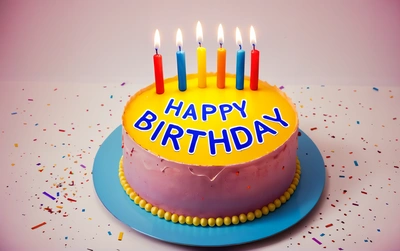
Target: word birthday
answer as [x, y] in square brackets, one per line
[173, 132]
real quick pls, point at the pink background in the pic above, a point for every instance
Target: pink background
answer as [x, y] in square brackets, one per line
[308, 41]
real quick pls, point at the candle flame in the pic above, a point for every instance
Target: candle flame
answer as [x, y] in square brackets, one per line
[157, 40]
[252, 36]
[179, 41]
[199, 33]
[238, 37]
[220, 35]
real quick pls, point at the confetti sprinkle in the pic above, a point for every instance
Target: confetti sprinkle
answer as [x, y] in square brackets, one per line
[13, 113]
[61, 130]
[322, 235]
[82, 165]
[72, 200]
[281, 87]
[342, 176]
[109, 232]
[375, 89]
[30, 99]
[121, 234]
[111, 96]
[48, 195]
[358, 122]
[123, 84]
[355, 204]
[317, 241]
[329, 225]
[39, 225]
[355, 163]
[314, 128]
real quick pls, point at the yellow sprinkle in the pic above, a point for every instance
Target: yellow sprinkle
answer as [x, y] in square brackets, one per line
[277, 203]
[121, 234]
[196, 221]
[182, 219]
[167, 216]
[282, 199]
[161, 213]
[271, 207]
[265, 210]
[137, 199]
[227, 221]
[142, 203]
[242, 218]
[154, 210]
[12, 164]
[219, 221]
[189, 220]
[250, 216]
[211, 222]
[287, 195]
[90, 219]
[174, 218]
[203, 222]
[148, 207]
[235, 220]
[258, 213]
[59, 206]
[16, 144]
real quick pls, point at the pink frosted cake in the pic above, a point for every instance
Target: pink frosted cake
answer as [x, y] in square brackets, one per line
[209, 156]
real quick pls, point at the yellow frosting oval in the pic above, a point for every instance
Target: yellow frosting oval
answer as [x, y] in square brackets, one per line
[187, 127]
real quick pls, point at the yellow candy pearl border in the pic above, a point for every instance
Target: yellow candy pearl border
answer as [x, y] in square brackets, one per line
[210, 222]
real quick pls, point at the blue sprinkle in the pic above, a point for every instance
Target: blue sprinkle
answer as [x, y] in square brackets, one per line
[358, 122]
[109, 232]
[342, 176]
[322, 235]
[378, 230]
[365, 240]
[375, 89]
[83, 210]
[111, 96]
[36, 124]
[58, 194]
[308, 87]
[63, 156]
[355, 163]
[66, 237]
[13, 113]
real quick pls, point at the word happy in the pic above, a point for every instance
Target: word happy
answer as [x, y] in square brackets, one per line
[173, 132]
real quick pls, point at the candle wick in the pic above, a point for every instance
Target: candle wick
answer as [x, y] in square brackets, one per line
[156, 51]
[220, 45]
[180, 48]
[240, 46]
[254, 46]
[199, 44]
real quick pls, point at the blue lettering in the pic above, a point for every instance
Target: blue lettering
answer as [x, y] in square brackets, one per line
[212, 142]
[171, 106]
[225, 109]
[195, 137]
[190, 112]
[147, 118]
[173, 137]
[260, 129]
[277, 119]
[236, 141]
[207, 109]
[241, 108]
[157, 131]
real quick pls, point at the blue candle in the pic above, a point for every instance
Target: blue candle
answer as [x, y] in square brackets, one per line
[240, 56]
[181, 62]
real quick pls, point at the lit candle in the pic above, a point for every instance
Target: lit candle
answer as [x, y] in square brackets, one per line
[221, 59]
[255, 61]
[158, 66]
[201, 58]
[240, 55]
[180, 59]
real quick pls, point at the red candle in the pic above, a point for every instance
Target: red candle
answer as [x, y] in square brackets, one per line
[255, 61]
[158, 66]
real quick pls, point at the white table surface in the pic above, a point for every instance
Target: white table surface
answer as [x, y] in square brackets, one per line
[61, 69]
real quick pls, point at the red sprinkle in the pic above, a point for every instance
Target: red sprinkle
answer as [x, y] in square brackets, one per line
[363, 192]
[329, 225]
[314, 128]
[61, 130]
[72, 200]
[39, 225]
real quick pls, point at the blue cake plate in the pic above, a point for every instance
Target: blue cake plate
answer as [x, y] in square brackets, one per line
[114, 198]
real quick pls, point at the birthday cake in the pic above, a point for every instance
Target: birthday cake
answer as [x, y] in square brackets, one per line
[209, 156]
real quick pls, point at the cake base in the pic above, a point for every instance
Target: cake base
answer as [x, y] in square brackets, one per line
[114, 198]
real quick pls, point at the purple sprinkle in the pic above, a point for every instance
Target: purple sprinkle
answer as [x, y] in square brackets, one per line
[38, 164]
[340, 248]
[123, 84]
[30, 99]
[355, 204]
[48, 195]
[281, 87]
[13, 113]
[317, 241]
[83, 166]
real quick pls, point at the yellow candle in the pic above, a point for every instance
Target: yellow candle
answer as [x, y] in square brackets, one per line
[201, 59]
[221, 60]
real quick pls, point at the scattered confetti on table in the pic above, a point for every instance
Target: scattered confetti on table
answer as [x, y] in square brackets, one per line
[50, 135]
